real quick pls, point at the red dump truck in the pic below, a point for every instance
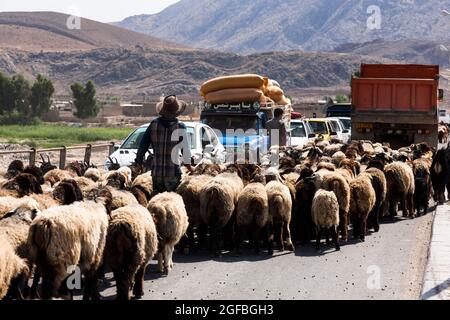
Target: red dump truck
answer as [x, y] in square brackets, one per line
[396, 104]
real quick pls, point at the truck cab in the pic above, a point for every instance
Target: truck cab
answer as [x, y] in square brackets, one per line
[240, 126]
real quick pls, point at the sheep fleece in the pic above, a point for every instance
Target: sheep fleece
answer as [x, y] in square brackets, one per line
[70, 235]
[253, 206]
[325, 209]
[171, 218]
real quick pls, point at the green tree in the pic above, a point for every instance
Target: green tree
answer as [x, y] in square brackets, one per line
[342, 98]
[6, 95]
[41, 96]
[84, 99]
[21, 95]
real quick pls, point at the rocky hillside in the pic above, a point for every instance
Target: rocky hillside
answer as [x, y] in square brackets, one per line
[139, 72]
[48, 31]
[281, 25]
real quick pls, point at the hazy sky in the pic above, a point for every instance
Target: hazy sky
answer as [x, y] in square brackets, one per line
[100, 10]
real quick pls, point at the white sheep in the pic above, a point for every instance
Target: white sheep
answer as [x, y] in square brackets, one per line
[66, 236]
[325, 215]
[172, 222]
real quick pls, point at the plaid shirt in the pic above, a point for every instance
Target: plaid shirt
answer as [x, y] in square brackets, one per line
[168, 137]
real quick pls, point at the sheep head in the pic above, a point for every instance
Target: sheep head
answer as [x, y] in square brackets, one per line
[103, 196]
[16, 167]
[68, 192]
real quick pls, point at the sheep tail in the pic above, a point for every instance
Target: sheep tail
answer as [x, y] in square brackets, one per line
[41, 234]
[257, 208]
[122, 245]
[277, 203]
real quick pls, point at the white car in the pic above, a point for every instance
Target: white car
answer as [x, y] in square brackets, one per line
[301, 133]
[444, 116]
[203, 142]
[339, 127]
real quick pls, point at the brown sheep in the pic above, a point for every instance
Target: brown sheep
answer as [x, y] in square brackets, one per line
[218, 200]
[280, 212]
[401, 187]
[379, 184]
[171, 218]
[131, 243]
[362, 202]
[54, 176]
[252, 214]
[337, 183]
[22, 185]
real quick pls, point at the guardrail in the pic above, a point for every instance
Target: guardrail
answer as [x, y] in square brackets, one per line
[62, 152]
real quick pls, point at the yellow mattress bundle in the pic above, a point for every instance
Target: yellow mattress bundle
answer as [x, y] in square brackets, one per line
[242, 88]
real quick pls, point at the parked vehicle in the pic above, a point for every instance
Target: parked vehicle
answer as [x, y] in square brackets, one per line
[322, 127]
[444, 116]
[339, 110]
[397, 104]
[342, 132]
[203, 142]
[301, 133]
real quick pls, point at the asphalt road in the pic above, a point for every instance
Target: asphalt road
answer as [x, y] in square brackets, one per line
[389, 265]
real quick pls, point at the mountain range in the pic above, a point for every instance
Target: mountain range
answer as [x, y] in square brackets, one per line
[245, 26]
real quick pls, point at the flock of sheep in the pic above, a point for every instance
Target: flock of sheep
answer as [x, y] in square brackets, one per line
[52, 220]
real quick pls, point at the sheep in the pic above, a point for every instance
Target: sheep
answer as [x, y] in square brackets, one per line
[65, 236]
[337, 183]
[14, 168]
[440, 174]
[337, 158]
[325, 215]
[54, 176]
[349, 169]
[131, 243]
[280, 210]
[422, 182]
[171, 218]
[85, 184]
[218, 200]
[305, 191]
[379, 185]
[94, 174]
[117, 183]
[77, 168]
[190, 190]
[362, 202]
[332, 149]
[36, 172]
[21, 185]
[14, 271]
[401, 187]
[65, 192]
[47, 165]
[142, 188]
[15, 224]
[252, 214]
[8, 204]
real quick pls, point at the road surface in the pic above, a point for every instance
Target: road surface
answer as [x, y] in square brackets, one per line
[389, 265]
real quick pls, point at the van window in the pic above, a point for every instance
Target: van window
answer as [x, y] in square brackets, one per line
[335, 126]
[134, 140]
[319, 127]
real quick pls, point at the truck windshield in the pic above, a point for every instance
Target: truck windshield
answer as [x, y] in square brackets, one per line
[298, 130]
[319, 127]
[335, 126]
[225, 122]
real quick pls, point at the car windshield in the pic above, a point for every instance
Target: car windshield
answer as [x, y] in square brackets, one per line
[298, 130]
[135, 139]
[224, 123]
[347, 123]
[319, 127]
